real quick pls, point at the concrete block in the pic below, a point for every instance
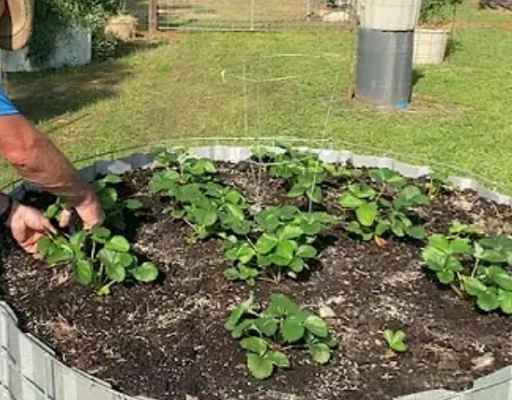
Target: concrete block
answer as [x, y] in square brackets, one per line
[411, 171]
[333, 156]
[360, 161]
[462, 183]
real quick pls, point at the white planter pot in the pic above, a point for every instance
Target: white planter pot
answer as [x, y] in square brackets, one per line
[73, 47]
[389, 15]
[430, 46]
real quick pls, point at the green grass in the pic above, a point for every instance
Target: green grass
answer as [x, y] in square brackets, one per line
[294, 84]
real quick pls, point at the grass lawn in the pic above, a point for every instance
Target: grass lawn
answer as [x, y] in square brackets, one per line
[294, 84]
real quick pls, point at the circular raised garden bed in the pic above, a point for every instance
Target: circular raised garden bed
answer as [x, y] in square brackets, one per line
[168, 340]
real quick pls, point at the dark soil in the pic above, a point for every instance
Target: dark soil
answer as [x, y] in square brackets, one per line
[167, 340]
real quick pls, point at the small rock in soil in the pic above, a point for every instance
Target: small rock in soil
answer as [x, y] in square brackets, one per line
[483, 362]
[326, 312]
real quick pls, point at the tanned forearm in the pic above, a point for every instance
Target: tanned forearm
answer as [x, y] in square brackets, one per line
[38, 161]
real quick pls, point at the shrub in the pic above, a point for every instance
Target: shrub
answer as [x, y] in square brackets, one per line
[51, 17]
[437, 12]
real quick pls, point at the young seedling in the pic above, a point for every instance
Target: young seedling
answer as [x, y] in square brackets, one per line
[286, 243]
[283, 325]
[377, 213]
[97, 259]
[476, 268]
[304, 171]
[395, 340]
[206, 205]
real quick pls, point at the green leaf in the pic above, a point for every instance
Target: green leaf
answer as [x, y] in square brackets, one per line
[505, 298]
[317, 326]
[83, 272]
[60, 255]
[279, 359]
[500, 277]
[113, 179]
[266, 325]
[101, 234]
[314, 194]
[203, 216]
[290, 232]
[266, 243]
[367, 213]
[473, 286]
[260, 367]
[44, 245]
[282, 306]
[133, 204]
[297, 190]
[255, 344]
[231, 274]
[164, 181]
[238, 312]
[417, 232]
[115, 272]
[284, 253]
[320, 353]
[386, 175]
[53, 211]
[147, 272]
[292, 329]
[362, 191]
[460, 246]
[348, 200]
[118, 243]
[488, 301]
[108, 198]
[297, 265]
[306, 251]
[396, 340]
[242, 252]
[446, 276]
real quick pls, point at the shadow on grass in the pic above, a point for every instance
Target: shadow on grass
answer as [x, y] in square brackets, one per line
[45, 95]
[417, 75]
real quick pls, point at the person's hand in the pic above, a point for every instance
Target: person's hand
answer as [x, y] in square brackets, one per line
[28, 225]
[89, 210]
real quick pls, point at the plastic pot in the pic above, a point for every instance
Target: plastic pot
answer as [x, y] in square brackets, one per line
[430, 46]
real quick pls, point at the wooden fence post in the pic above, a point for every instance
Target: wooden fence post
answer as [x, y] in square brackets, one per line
[153, 16]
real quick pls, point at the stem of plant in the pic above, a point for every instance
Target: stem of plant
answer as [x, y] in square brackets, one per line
[475, 268]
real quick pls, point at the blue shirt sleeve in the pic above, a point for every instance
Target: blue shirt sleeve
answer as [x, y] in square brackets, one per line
[6, 107]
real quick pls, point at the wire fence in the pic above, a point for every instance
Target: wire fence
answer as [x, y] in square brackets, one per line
[246, 15]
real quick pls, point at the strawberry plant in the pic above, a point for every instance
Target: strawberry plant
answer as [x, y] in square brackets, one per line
[286, 242]
[115, 208]
[97, 259]
[475, 268]
[265, 335]
[395, 340]
[205, 204]
[304, 171]
[379, 212]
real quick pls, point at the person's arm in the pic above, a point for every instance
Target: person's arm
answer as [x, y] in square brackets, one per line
[38, 161]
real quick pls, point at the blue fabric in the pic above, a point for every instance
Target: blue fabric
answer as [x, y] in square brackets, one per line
[6, 107]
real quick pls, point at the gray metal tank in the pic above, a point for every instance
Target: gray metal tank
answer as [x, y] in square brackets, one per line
[384, 68]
